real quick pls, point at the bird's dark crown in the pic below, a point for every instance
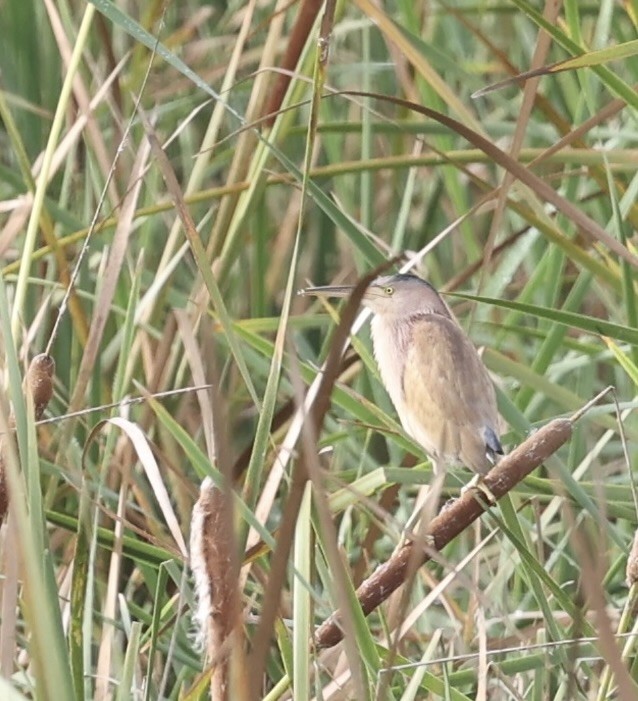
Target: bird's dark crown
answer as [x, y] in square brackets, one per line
[409, 277]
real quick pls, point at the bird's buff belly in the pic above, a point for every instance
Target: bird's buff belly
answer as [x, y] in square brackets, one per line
[428, 442]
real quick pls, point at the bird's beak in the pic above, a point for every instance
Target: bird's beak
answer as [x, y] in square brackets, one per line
[327, 291]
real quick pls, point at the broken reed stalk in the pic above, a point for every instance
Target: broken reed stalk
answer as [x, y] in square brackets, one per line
[38, 383]
[317, 411]
[451, 521]
[214, 565]
[297, 39]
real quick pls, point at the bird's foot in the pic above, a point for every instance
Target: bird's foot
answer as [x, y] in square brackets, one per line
[413, 531]
[424, 540]
[477, 484]
[450, 502]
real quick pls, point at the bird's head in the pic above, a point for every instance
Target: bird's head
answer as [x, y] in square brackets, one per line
[392, 296]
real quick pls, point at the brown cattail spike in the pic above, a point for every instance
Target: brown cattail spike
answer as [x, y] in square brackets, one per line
[454, 519]
[215, 570]
[39, 382]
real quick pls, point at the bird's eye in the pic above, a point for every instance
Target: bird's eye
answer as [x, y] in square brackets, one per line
[389, 291]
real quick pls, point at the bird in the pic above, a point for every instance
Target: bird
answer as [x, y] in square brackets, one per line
[440, 388]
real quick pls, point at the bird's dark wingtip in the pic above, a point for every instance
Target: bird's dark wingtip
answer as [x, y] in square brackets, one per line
[492, 441]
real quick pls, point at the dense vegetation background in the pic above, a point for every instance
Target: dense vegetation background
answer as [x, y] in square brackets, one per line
[184, 270]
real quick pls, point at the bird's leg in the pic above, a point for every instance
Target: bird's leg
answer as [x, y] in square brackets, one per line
[424, 510]
[477, 483]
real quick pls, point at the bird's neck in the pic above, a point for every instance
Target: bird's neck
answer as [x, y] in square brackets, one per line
[391, 338]
[401, 326]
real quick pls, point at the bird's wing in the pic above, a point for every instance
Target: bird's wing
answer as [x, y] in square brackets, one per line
[449, 393]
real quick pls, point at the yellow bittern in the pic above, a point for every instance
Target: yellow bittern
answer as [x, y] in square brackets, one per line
[432, 372]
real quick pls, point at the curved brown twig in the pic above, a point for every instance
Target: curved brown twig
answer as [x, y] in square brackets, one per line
[451, 521]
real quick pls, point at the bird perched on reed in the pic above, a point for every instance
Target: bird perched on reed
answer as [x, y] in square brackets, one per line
[437, 381]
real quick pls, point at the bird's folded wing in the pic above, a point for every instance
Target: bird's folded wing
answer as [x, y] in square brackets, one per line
[448, 390]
